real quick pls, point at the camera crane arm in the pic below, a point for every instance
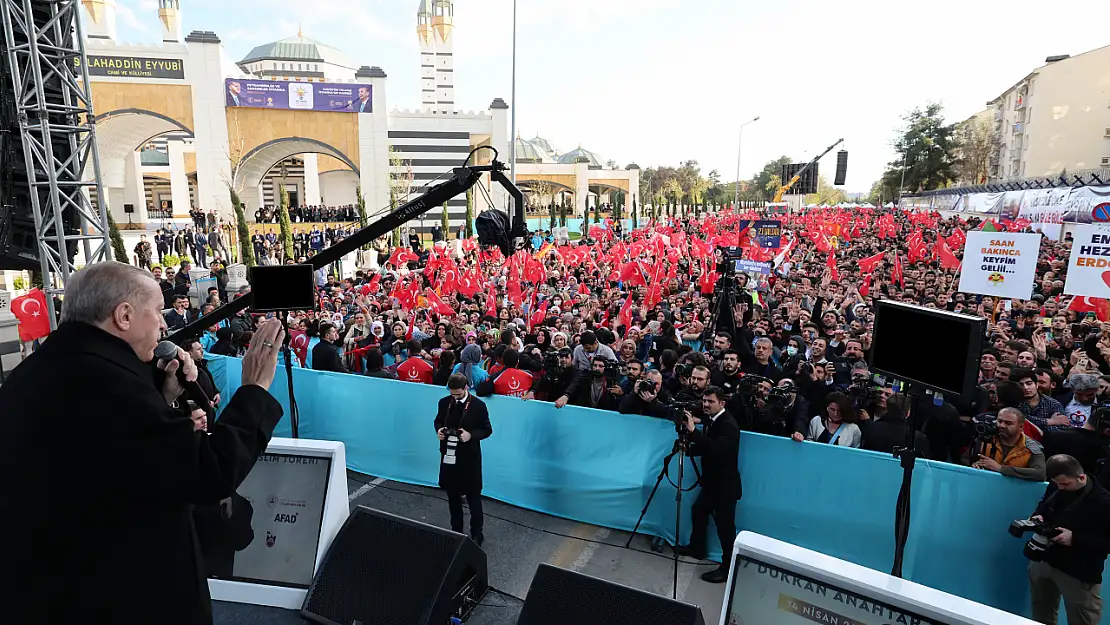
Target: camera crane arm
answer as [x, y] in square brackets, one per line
[798, 176]
[462, 180]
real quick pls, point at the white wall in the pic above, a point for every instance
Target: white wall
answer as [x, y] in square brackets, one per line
[337, 188]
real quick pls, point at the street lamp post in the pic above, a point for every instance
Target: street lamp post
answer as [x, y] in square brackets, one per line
[739, 147]
[512, 133]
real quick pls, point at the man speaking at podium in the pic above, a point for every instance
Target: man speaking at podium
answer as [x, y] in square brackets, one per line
[99, 462]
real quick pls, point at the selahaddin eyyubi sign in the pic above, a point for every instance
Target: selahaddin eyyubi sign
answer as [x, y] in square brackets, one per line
[133, 67]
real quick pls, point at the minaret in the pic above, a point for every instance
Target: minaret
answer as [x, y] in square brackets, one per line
[426, 34]
[443, 18]
[101, 22]
[169, 11]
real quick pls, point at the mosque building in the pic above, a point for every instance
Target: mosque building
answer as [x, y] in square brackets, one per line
[179, 123]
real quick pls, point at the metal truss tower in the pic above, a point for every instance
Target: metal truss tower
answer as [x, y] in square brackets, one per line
[44, 46]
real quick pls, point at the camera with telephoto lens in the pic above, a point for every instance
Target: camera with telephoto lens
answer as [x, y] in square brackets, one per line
[681, 403]
[684, 370]
[645, 386]
[1041, 540]
[612, 372]
[449, 432]
[552, 366]
[986, 429]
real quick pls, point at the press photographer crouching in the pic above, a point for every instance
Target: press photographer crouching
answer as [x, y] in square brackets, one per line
[1067, 552]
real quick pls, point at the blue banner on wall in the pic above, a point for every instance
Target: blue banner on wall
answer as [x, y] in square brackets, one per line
[576, 463]
[302, 96]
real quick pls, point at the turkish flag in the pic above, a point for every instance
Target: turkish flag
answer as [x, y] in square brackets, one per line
[437, 305]
[830, 262]
[625, 315]
[30, 309]
[1079, 303]
[400, 256]
[375, 285]
[947, 259]
[865, 287]
[491, 301]
[537, 317]
[867, 265]
[896, 273]
[299, 342]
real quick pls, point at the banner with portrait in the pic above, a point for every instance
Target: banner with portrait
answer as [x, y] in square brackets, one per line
[301, 96]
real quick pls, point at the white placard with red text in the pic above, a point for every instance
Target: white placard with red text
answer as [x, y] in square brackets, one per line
[1000, 264]
[1089, 263]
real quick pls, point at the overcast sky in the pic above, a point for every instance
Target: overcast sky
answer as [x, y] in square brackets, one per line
[662, 81]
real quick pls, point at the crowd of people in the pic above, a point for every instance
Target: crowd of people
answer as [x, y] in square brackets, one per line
[627, 323]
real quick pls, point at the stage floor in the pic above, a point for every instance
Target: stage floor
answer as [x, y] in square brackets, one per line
[517, 541]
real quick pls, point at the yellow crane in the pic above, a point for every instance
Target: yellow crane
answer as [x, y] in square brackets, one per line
[798, 176]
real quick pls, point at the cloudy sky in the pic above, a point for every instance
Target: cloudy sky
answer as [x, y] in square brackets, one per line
[662, 81]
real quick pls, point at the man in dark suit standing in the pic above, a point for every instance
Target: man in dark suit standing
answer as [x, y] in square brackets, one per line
[461, 423]
[325, 356]
[123, 425]
[718, 444]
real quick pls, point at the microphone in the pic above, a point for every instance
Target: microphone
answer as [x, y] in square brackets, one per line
[167, 350]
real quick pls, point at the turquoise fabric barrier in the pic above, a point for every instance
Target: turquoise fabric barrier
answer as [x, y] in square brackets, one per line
[573, 224]
[599, 467]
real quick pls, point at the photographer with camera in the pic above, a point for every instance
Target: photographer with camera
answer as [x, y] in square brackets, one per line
[558, 376]
[1068, 549]
[634, 372]
[1002, 447]
[718, 444]
[592, 389]
[461, 423]
[648, 397]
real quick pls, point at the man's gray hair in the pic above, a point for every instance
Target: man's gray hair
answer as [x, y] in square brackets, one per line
[1016, 412]
[94, 292]
[764, 340]
[1083, 382]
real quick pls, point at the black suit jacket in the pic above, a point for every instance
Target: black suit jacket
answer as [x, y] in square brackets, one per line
[718, 444]
[465, 475]
[325, 357]
[176, 321]
[120, 547]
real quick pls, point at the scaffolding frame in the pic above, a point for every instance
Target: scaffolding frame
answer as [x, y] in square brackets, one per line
[53, 52]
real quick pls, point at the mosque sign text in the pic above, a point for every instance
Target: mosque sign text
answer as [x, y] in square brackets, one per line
[133, 67]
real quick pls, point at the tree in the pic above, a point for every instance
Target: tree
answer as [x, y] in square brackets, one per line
[360, 204]
[285, 229]
[563, 213]
[119, 252]
[674, 193]
[445, 223]
[978, 142]
[400, 184]
[761, 188]
[715, 192]
[469, 213]
[826, 193]
[925, 148]
[635, 219]
[551, 214]
[243, 233]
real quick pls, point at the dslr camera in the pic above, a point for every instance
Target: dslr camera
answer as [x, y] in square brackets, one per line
[1041, 540]
[644, 385]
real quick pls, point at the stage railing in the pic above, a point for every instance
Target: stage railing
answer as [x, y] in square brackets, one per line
[598, 467]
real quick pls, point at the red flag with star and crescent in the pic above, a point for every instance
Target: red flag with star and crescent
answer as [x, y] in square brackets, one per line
[30, 309]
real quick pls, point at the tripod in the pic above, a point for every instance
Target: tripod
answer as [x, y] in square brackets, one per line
[287, 354]
[679, 449]
[908, 456]
[722, 318]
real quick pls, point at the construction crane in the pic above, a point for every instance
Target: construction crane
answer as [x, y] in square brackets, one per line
[798, 176]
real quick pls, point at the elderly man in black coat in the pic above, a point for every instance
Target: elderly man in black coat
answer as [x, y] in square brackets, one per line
[461, 423]
[90, 416]
[718, 444]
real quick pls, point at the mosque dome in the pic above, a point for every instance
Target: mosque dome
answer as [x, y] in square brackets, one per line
[572, 157]
[298, 48]
[544, 145]
[530, 152]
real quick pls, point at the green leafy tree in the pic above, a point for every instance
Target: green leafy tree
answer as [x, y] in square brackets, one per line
[285, 228]
[119, 252]
[360, 204]
[246, 249]
[551, 214]
[563, 213]
[826, 194]
[634, 216]
[445, 223]
[597, 209]
[926, 153]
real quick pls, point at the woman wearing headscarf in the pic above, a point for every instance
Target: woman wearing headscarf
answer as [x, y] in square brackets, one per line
[469, 365]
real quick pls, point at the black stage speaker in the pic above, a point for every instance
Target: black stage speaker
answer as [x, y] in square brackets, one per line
[129, 208]
[559, 597]
[806, 184]
[841, 167]
[387, 570]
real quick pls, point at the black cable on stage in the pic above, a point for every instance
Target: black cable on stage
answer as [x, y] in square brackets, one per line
[545, 531]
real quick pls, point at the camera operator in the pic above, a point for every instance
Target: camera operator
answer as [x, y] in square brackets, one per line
[634, 372]
[718, 444]
[1005, 449]
[727, 378]
[693, 388]
[591, 389]
[1087, 444]
[558, 376]
[648, 397]
[1076, 514]
[788, 412]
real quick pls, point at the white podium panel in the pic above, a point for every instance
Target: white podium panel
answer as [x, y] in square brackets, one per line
[776, 583]
[298, 495]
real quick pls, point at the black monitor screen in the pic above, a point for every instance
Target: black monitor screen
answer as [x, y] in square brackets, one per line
[283, 287]
[937, 349]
